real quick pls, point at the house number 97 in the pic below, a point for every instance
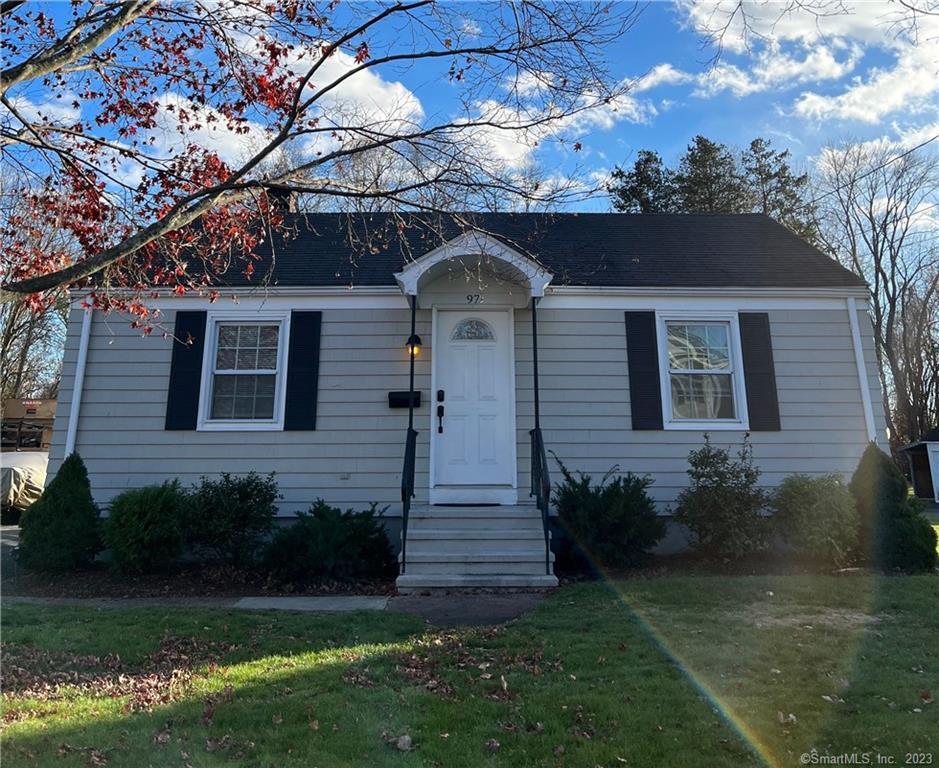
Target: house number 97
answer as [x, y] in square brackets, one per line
[474, 298]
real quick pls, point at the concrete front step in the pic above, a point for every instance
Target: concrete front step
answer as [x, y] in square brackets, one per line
[483, 510]
[476, 534]
[475, 546]
[415, 582]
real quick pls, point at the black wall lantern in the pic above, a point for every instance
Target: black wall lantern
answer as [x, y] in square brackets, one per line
[413, 345]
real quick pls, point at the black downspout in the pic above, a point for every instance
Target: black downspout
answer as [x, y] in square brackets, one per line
[411, 355]
[540, 480]
[410, 444]
[534, 351]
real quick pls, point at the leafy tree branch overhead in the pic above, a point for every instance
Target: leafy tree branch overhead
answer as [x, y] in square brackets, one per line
[152, 132]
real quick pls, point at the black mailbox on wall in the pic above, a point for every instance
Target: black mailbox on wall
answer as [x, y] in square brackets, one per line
[401, 399]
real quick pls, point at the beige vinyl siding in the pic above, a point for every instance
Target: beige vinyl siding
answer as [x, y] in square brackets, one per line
[355, 455]
[585, 399]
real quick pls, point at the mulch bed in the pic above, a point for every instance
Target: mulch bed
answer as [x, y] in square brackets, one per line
[194, 581]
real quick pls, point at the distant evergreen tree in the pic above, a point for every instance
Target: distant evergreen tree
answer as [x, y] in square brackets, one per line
[708, 180]
[648, 188]
[777, 192]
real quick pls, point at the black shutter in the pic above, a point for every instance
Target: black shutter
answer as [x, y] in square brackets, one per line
[645, 393]
[759, 374]
[182, 401]
[303, 364]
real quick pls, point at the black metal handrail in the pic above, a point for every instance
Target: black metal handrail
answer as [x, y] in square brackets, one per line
[407, 491]
[541, 489]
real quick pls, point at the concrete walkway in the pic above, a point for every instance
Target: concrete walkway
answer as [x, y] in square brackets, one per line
[331, 603]
[442, 609]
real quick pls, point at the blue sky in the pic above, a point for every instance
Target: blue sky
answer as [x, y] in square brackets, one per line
[799, 79]
[808, 83]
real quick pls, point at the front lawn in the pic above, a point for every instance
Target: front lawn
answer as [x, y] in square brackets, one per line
[670, 671]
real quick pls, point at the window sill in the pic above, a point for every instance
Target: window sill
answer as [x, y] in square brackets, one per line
[242, 426]
[707, 426]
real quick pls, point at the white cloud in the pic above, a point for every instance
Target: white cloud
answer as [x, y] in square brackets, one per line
[365, 96]
[661, 74]
[910, 85]
[58, 111]
[775, 69]
[212, 131]
[517, 134]
[831, 42]
[743, 26]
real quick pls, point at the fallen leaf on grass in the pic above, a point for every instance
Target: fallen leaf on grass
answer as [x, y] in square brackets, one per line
[925, 696]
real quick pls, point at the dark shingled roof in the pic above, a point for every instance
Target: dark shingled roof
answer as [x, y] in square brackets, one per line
[590, 249]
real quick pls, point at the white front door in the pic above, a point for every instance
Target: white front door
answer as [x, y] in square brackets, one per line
[473, 408]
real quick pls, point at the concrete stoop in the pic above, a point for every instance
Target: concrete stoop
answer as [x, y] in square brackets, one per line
[490, 547]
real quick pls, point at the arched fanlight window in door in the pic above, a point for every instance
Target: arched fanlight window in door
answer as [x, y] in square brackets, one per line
[472, 329]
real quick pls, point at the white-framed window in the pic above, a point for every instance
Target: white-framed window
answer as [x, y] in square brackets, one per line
[244, 372]
[701, 371]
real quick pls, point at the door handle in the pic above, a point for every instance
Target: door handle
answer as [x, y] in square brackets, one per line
[440, 419]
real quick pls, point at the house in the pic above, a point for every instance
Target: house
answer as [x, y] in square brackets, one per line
[602, 338]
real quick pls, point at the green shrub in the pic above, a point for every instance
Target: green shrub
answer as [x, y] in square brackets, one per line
[59, 532]
[145, 528]
[723, 506]
[231, 517]
[326, 543]
[894, 533]
[817, 517]
[611, 525]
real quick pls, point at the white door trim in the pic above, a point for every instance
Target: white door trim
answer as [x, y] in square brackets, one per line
[479, 494]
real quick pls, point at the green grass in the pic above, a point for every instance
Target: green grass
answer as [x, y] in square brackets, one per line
[670, 671]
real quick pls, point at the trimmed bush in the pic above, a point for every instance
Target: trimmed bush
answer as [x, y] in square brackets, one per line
[231, 517]
[145, 528]
[59, 532]
[817, 517]
[326, 543]
[894, 533]
[612, 525]
[723, 506]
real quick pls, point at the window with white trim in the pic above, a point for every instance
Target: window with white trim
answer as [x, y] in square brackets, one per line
[245, 372]
[702, 373]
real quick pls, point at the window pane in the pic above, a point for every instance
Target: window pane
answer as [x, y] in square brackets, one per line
[245, 386]
[228, 335]
[247, 335]
[267, 359]
[264, 408]
[247, 359]
[268, 336]
[698, 347]
[243, 396]
[472, 329]
[225, 358]
[702, 396]
[264, 386]
[225, 385]
[678, 356]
